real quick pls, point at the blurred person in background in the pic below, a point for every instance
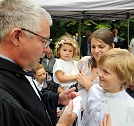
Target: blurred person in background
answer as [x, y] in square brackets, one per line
[85, 44]
[131, 46]
[48, 61]
[130, 90]
[117, 41]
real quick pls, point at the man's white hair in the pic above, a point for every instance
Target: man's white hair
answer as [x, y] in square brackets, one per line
[21, 14]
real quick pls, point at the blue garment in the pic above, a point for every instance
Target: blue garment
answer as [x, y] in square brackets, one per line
[131, 93]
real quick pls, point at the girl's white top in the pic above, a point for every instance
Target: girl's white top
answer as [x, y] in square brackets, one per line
[68, 68]
[95, 107]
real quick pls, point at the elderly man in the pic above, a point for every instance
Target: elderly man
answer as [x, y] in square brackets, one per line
[48, 61]
[24, 37]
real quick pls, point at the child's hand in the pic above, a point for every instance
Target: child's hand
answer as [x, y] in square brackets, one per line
[106, 121]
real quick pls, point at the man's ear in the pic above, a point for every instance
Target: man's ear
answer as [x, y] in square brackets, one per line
[16, 35]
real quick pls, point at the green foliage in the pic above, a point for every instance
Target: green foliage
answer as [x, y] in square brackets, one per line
[104, 25]
[60, 27]
[131, 28]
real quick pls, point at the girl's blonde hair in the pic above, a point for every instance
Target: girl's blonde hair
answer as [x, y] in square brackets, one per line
[65, 39]
[121, 62]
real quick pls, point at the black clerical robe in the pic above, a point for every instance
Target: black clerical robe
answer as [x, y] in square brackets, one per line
[19, 104]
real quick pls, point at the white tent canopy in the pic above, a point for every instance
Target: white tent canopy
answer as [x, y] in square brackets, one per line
[88, 9]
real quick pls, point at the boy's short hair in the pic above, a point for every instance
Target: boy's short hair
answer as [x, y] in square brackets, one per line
[122, 62]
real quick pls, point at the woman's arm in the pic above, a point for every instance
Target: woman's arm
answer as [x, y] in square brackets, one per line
[84, 80]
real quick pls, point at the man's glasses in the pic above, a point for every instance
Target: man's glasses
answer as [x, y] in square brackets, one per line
[48, 41]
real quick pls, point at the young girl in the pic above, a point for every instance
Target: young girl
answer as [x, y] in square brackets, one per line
[65, 70]
[115, 74]
[44, 81]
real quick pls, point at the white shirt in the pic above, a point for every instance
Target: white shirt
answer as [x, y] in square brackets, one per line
[132, 45]
[68, 68]
[116, 39]
[95, 107]
[39, 86]
[47, 61]
[32, 84]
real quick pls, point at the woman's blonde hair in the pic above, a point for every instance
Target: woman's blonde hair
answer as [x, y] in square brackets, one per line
[121, 62]
[65, 39]
[39, 66]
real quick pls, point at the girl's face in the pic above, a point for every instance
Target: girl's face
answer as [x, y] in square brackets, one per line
[108, 79]
[40, 75]
[66, 52]
[98, 47]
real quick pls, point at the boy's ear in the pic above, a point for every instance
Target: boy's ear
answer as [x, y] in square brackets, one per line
[122, 82]
[113, 45]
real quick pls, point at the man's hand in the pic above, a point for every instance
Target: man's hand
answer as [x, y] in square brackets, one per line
[68, 116]
[66, 96]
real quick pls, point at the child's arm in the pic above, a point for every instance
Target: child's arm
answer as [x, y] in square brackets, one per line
[60, 89]
[65, 78]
